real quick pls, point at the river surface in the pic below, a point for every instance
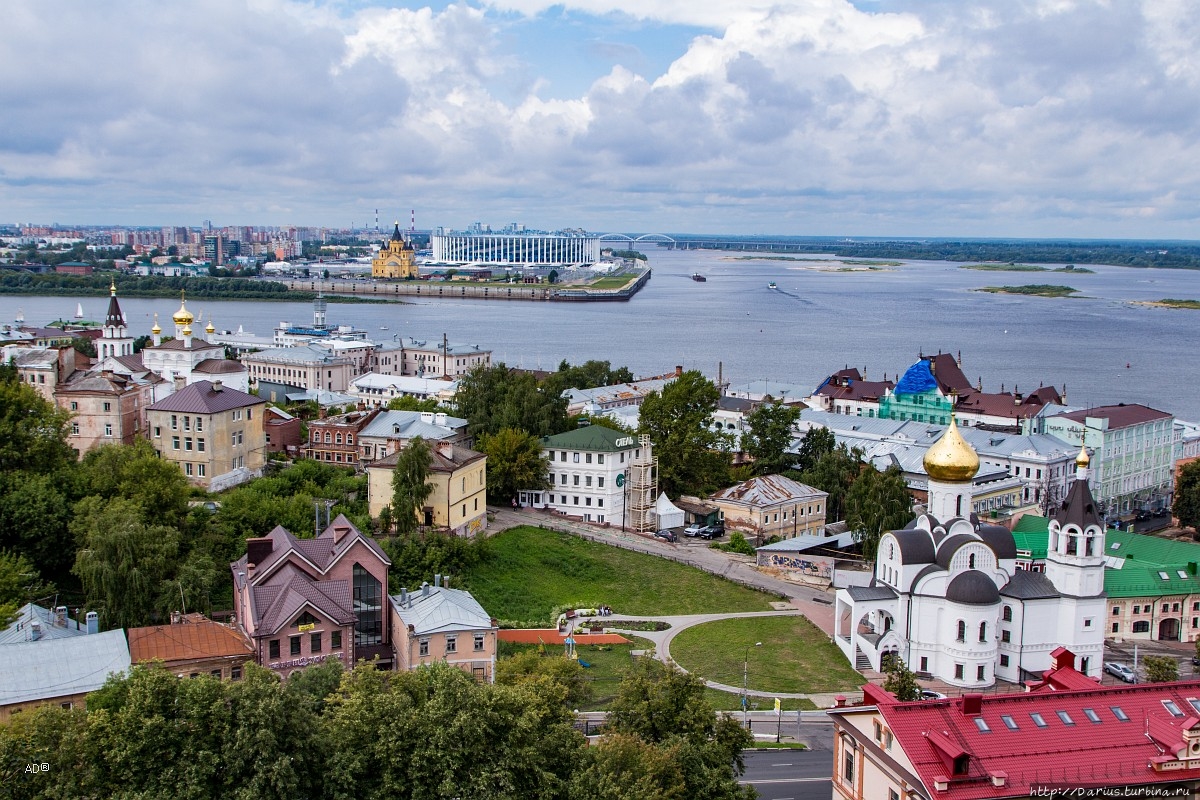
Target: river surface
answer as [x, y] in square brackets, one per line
[1101, 345]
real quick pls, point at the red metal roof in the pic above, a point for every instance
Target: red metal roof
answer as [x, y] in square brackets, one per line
[1121, 415]
[1097, 736]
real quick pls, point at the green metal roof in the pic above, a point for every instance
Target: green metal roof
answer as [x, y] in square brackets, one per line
[591, 437]
[1031, 534]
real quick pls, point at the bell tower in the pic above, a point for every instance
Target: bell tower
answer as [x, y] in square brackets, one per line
[115, 340]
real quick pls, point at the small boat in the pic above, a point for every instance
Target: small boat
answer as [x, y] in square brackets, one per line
[20, 320]
[772, 285]
[696, 276]
[79, 311]
[383, 327]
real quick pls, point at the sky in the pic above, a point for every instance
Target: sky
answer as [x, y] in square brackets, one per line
[1005, 118]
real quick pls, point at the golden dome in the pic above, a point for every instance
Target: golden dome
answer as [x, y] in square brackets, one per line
[182, 316]
[1082, 460]
[156, 329]
[187, 330]
[951, 459]
[210, 328]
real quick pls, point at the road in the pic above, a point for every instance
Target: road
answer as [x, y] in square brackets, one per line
[789, 774]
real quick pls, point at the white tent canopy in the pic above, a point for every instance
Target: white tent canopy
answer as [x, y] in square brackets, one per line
[668, 515]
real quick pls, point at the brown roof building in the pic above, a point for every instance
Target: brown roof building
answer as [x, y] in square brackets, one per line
[192, 645]
[215, 434]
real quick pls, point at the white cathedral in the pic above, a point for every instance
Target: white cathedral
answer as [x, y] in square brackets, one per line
[947, 596]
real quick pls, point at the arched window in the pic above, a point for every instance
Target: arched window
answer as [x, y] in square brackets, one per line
[1006, 615]
[1141, 626]
[958, 506]
[328, 438]
[971, 561]
[962, 631]
[983, 631]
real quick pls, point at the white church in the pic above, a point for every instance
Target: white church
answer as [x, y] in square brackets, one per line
[947, 596]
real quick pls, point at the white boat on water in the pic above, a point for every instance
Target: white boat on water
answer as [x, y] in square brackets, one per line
[79, 311]
[20, 320]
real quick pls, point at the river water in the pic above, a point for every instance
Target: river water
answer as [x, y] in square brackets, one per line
[1103, 346]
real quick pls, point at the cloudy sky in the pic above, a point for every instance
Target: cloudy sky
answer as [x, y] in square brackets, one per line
[817, 117]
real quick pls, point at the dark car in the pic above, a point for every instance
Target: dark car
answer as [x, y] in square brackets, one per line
[712, 532]
[667, 535]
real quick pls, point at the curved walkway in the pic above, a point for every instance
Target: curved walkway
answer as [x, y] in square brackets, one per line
[662, 648]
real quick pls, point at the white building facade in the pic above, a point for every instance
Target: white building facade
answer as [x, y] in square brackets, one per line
[948, 599]
[532, 249]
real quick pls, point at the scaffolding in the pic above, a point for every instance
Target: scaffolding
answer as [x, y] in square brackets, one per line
[641, 487]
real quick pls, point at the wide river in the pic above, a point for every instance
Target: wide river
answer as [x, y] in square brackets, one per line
[1102, 345]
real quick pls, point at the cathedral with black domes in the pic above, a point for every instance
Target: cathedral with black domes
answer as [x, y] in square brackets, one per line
[947, 596]
[396, 259]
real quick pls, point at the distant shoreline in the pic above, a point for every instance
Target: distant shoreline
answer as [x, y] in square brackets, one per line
[1168, 303]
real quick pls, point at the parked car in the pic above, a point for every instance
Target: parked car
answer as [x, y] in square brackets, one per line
[712, 532]
[930, 694]
[1120, 671]
[667, 535]
[693, 531]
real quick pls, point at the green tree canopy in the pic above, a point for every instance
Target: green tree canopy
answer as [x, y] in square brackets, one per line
[1161, 669]
[33, 432]
[1186, 507]
[876, 503]
[588, 375]
[900, 680]
[515, 462]
[530, 667]
[494, 398]
[417, 557]
[410, 485]
[691, 455]
[834, 473]
[135, 472]
[19, 584]
[769, 437]
[815, 444]
[409, 403]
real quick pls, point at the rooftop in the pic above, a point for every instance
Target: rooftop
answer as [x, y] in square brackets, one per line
[193, 638]
[437, 609]
[593, 438]
[204, 397]
[59, 667]
[767, 490]
[1119, 416]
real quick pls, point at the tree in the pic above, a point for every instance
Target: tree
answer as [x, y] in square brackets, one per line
[530, 667]
[1161, 669]
[410, 403]
[770, 436]
[515, 462]
[418, 557]
[410, 485]
[552, 277]
[135, 472]
[84, 346]
[834, 473]
[815, 444]
[125, 565]
[691, 455]
[900, 680]
[877, 502]
[623, 767]
[588, 375]
[19, 584]
[33, 432]
[1186, 507]
[494, 398]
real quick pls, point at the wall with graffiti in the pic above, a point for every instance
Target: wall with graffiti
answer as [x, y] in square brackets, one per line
[805, 565]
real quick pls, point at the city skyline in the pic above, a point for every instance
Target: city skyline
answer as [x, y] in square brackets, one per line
[891, 118]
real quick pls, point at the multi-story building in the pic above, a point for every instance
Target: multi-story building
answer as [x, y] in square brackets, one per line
[1064, 733]
[302, 601]
[589, 468]
[175, 359]
[376, 391]
[58, 671]
[191, 646]
[949, 600]
[437, 624]
[772, 505]
[607, 398]
[335, 439]
[277, 372]
[1133, 454]
[282, 431]
[43, 368]
[105, 407]
[848, 392]
[443, 359]
[214, 434]
[396, 259]
[532, 249]
[388, 431]
[458, 501]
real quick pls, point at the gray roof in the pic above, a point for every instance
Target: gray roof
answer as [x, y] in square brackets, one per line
[858, 593]
[972, 588]
[200, 398]
[998, 538]
[301, 354]
[442, 610]
[38, 357]
[617, 392]
[767, 490]
[1027, 585]
[800, 544]
[1079, 508]
[949, 547]
[59, 667]
[23, 629]
[323, 397]
[410, 424]
[452, 348]
[916, 546]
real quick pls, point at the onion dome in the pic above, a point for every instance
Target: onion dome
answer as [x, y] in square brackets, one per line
[209, 328]
[112, 289]
[183, 316]
[1082, 460]
[951, 459]
[156, 329]
[187, 330]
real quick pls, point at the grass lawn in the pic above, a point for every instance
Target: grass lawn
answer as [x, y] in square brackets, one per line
[730, 701]
[611, 282]
[795, 656]
[530, 571]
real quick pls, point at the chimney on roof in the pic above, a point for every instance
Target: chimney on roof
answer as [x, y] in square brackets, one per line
[424, 589]
[340, 532]
[427, 417]
[445, 450]
[216, 386]
[1063, 658]
[35, 629]
[258, 549]
[678, 370]
[403, 596]
[92, 621]
[176, 618]
[439, 418]
[972, 705]
[437, 580]
[60, 616]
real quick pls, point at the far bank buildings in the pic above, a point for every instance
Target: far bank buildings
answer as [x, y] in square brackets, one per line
[948, 597]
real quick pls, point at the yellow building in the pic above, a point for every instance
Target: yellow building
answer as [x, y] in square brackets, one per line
[458, 501]
[396, 259]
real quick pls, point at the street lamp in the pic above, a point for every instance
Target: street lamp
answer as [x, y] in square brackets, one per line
[746, 684]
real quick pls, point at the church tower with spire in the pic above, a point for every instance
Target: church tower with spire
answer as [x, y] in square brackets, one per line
[396, 259]
[115, 340]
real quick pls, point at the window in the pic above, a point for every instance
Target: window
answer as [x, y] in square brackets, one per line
[187, 443]
[1006, 615]
[199, 423]
[1166, 606]
[981, 673]
[588, 481]
[1092, 716]
[575, 457]
[200, 470]
[1171, 708]
[335, 640]
[848, 763]
[981, 723]
[157, 432]
[1116, 610]
[187, 423]
[368, 607]
[451, 644]
[423, 647]
[588, 458]
[962, 631]
[108, 429]
[1119, 713]
[1005, 636]
[1065, 717]
[187, 469]
[959, 671]
[478, 642]
[273, 648]
[74, 428]
[1137, 609]
[314, 643]
[235, 673]
[600, 460]
[1141, 626]
[74, 406]
[576, 481]
[216, 673]
[983, 631]
[1038, 720]
[174, 422]
[200, 445]
[294, 645]
[924, 663]
[1004, 661]
[1116, 627]
[174, 442]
